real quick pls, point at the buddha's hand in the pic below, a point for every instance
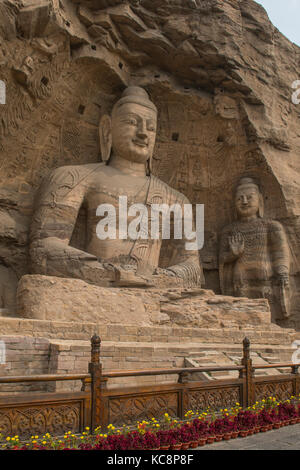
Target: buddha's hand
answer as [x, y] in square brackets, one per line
[164, 272]
[97, 273]
[236, 244]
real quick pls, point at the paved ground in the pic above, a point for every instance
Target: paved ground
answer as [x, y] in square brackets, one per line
[286, 438]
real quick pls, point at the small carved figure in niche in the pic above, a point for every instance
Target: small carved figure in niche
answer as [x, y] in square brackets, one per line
[24, 72]
[225, 106]
[254, 253]
[228, 110]
[127, 141]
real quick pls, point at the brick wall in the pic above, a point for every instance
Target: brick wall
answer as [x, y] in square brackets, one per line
[24, 355]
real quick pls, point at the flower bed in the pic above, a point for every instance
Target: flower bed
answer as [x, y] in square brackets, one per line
[196, 430]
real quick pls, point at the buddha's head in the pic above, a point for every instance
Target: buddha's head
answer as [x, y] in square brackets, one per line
[248, 199]
[131, 130]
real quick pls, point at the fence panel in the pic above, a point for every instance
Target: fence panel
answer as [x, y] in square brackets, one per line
[36, 414]
[281, 387]
[139, 403]
[27, 415]
[216, 395]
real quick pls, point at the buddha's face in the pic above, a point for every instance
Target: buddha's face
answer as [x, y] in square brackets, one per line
[247, 201]
[134, 132]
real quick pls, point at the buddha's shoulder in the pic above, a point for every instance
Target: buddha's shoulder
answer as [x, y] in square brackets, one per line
[269, 224]
[262, 223]
[69, 174]
[273, 225]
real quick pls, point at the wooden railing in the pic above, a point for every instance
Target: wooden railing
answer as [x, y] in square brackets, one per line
[97, 405]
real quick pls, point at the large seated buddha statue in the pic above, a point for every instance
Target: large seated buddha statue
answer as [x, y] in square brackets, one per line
[124, 175]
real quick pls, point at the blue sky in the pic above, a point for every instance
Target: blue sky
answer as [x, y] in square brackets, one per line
[285, 15]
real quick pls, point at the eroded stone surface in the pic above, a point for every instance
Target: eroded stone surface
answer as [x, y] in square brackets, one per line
[58, 299]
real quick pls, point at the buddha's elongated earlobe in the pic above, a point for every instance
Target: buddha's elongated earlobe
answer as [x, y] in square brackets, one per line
[261, 209]
[105, 136]
[149, 166]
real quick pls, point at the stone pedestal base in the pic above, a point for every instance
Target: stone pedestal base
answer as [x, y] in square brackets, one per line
[59, 299]
[139, 329]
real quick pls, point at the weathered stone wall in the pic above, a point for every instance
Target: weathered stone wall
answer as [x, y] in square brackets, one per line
[26, 356]
[40, 347]
[52, 298]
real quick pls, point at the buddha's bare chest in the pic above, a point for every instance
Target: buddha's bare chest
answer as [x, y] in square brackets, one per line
[117, 191]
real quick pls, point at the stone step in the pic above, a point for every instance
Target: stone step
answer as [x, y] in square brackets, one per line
[67, 354]
[226, 357]
[262, 337]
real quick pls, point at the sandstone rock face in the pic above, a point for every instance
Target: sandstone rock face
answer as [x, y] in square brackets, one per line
[51, 298]
[220, 74]
[57, 299]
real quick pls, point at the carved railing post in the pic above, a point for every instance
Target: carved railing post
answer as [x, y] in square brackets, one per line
[183, 377]
[95, 369]
[296, 381]
[295, 368]
[247, 375]
[183, 396]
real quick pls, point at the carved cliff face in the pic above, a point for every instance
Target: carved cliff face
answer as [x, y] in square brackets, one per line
[134, 132]
[247, 201]
[223, 95]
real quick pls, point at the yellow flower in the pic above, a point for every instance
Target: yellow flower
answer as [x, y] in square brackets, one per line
[8, 438]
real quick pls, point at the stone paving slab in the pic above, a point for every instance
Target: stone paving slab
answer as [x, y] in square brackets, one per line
[286, 438]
